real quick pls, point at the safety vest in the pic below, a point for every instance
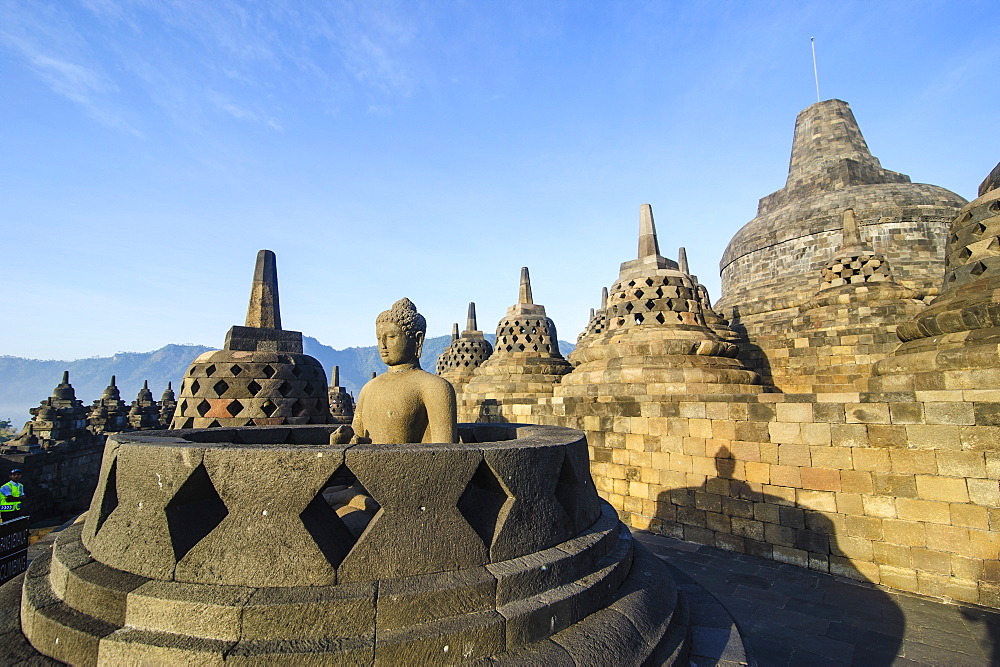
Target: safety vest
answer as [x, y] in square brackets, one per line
[8, 492]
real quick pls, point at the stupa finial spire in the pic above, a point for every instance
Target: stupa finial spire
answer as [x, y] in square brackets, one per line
[263, 312]
[682, 260]
[65, 379]
[604, 298]
[648, 245]
[454, 331]
[335, 376]
[524, 294]
[470, 324]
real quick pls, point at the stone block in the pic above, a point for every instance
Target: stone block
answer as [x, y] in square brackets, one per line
[887, 435]
[929, 511]
[913, 462]
[933, 436]
[131, 646]
[199, 610]
[419, 526]
[310, 613]
[821, 479]
[852, 481]
[341, 651]
[906, 413]
[822, 501]
[100, 591]
[950, 412]
[870, 459]
[970, 516]
[984, 491]
[945, 489]
[413, 600]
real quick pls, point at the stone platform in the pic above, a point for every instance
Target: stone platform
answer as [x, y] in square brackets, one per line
[496, 549]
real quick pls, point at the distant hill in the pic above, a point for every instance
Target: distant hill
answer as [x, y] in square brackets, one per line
[24, 383]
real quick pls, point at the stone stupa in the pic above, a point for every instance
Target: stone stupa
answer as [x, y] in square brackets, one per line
[465, 354]
[525, 365]
[261, 376]
[657, 340]
[952, 344]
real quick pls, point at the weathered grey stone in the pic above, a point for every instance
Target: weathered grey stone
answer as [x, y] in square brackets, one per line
[310, 612]
[100, 591]
[132, 646]
[67, 554]
[409, 601]
[533, 519]
[543, 652]
[136, 536]
[198, 610]
[263, 541]
[447, 641]
[57, 630]
[419, 528]
[345, 651]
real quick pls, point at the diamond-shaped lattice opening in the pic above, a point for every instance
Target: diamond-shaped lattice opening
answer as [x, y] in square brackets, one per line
[109, 501]
[995, 206]
[268, 371]
[964, 254]
[568, 489]
[482, 503]
[195, 387]
[203, 407]
[220, 388]
[254, 388]
[979, 229]
[638, 318]
[296, 371]
[337, 516]
[659, 318]
[194, 512]
[214, 424]
[284, 389]
[977, 269]
[309, 389]
[235, 369]
[183, 406]
[210, 369]
[268, 408]
[234, 408]
[188, 423]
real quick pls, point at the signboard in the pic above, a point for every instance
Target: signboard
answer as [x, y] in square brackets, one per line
[13, 548]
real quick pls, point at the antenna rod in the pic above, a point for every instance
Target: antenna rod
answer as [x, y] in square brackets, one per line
[812, 41]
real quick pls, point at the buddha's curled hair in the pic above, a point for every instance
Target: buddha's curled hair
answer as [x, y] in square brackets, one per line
[405, 314]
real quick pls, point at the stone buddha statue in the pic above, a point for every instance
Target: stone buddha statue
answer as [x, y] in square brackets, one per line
[406, 404]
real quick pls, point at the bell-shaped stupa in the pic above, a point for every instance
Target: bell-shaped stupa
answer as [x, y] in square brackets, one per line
[341, 402]
[525, 365]
[465, 354]
[770, 267]
[953, 343]
[657, 340]
[109, 414]
[261, 376]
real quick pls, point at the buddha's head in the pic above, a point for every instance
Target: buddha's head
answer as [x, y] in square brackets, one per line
[400, 332]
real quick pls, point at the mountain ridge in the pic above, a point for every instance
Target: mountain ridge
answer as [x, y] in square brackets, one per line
[24, 383]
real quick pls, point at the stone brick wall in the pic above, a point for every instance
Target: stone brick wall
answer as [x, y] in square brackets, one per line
[900, 489]
[57, 481]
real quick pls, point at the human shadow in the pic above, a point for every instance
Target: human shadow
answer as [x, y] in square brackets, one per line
[752, 355]
[778, 569]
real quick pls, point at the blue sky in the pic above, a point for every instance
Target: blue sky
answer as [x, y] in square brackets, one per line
[428, 150]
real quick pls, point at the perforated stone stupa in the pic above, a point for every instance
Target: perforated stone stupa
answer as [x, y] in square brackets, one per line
[465, 354]
[109, 413]
[657, 341]
[952, 344]
[261, 376]
[341, 402]
[526, 362]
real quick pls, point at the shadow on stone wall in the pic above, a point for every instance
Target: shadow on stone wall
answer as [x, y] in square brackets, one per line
[752, 355]
[875, 623]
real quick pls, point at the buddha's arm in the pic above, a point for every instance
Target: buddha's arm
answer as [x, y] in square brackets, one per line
[358, 423]
[442, 412]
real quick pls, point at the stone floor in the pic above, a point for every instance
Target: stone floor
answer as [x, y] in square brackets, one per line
[792, 616]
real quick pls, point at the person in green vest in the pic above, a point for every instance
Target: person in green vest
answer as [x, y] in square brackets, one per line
[11, 495]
